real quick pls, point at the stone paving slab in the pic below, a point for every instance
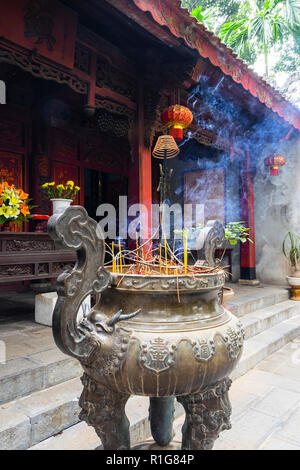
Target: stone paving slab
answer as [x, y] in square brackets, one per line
[273, 421]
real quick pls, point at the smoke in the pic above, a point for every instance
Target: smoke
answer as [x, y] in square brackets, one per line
[244, 124]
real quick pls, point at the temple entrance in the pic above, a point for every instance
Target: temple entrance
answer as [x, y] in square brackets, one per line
[103, 188]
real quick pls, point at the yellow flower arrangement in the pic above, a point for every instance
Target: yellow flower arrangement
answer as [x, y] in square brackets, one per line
[67, 190]
[14, 204]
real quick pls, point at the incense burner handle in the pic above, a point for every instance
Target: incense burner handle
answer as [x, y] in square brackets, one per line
[74, 229]
[210, 239]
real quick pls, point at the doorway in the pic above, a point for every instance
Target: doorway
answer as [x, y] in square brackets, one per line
[103, 188]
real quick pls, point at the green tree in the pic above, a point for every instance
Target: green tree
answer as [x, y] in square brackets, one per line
[262, 27]
[253, 27]
[259, 31]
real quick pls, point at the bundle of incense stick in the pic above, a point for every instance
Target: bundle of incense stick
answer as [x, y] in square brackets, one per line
[164, 261]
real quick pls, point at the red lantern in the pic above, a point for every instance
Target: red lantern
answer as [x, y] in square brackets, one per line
[274, 162]
[177, 118]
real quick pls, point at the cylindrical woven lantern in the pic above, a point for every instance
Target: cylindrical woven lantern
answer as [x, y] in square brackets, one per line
[165, 147]
[274, 162]
[177, 118]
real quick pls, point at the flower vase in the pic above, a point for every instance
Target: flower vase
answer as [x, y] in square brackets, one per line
[60, 205]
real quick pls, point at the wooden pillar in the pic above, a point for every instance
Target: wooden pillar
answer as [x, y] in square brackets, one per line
[140, 179]
[40, 165]
[92, 83]
[248, 263]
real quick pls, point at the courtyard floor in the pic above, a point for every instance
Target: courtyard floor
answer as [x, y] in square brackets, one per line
[266, 405]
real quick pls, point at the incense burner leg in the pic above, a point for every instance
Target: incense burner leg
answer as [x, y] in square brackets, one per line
[104, 409]
[161, 414]
[207, 414]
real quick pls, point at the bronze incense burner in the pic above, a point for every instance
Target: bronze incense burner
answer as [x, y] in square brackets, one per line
[153, 335]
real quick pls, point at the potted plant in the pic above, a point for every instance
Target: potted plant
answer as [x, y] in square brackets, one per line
[235, 232]
[291, 250]
[14, 205]
[61, 195]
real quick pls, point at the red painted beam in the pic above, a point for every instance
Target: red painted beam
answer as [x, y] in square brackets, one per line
[145, 175]
[248, 262]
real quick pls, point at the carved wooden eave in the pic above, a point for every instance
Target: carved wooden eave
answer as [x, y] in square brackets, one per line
[78, 80]
[208, 138]
[176, 21]
[114, 107]
[40, 67]
[105, 49]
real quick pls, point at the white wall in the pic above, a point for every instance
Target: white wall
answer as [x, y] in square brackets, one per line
[277, 211]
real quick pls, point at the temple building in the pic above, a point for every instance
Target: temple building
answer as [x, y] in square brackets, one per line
[84, 100]
[82, 89]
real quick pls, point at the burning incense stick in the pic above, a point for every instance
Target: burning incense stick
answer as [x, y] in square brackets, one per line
[185, 251]
[166, 255]
[137, 244]
[120, 251]
[160, 258]
[113, 260]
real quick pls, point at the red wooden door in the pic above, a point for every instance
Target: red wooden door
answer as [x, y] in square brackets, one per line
[15, 145]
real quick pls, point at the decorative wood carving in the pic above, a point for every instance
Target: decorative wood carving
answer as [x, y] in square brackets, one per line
[114, 79]
[29, 245]
[28, 256]
[29, 63]
[205, 137]
[43, 165]
[58, 268]
[16, 270]
[115, 108]
[83, 57]
[151, 100]
[43, 268]
[105, 49]
[11, 168]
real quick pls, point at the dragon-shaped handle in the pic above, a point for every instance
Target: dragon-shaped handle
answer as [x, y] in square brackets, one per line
[74, 229]
[210, 238]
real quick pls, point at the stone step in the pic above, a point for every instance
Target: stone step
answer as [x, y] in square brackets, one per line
[262, 345]
[258, 298]
[31, 422]
[21, 377]
[256, 322]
